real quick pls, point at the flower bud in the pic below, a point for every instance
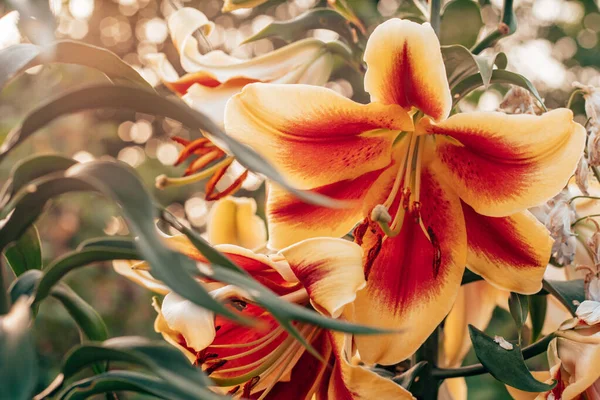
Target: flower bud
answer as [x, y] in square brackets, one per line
[581, 175]
[518, 101]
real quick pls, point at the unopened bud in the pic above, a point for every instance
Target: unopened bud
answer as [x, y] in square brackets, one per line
[581, 175]
[380, 214]
[518, 101]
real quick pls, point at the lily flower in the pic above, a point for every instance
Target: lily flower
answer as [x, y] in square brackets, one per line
[264, 361]
[434, 192]
[213, 78]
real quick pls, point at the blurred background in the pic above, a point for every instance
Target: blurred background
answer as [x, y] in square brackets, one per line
[557, 43]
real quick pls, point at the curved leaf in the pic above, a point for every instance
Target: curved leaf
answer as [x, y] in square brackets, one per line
[475, 81]
[122, 381]
[25, 253]
[149, 102]
[294, 29]
[538, 305]
[569, 293]
[507, 366]
[70, 52]
[88, 320]
[461, 22]
[461, 63]
[14, 59]
[18, 358]
[518, 305]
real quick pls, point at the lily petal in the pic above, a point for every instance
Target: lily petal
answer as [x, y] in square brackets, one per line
[503, 163]
[412, 283]
[331, 271]
[405, 67]
[233, 220]
[474, 305]
[580, 362]
[182, 24]
[354, 382]
[517, 394]
[511, 252]
[453, 389]
[298, 127]
[133, 270]
[194, 323]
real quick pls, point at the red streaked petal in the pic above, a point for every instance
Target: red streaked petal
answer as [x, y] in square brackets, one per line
[411, 284]
[331, 271]
[503, 163]
[509, 252]
[354, 382]
[405, 67]
[313, 135]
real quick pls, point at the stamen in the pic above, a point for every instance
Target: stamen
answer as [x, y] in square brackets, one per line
[203, 161]
[437, 252]
[398, 181]
[212, 183]
[251, 351]
[215, 367]
[275, 332]
[163, 181]
[248, 386]
[234, 390]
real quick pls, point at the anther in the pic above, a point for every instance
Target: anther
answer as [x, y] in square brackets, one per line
[360, 230]
[437, 252]
[406, 198]
[215, 367]
[249, 385]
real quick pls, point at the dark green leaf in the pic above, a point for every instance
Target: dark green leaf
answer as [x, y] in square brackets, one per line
[163, 360]
[507, 366]
[90, 323]
[461, 63]
[475, 81]
[569, 293]
[518, 305]
[18, 359]
[537, 309]
[294, 29]
[461, 23]
[25, 253]
[70, 52]
[24, 285]
[126, 381]
[148, 102]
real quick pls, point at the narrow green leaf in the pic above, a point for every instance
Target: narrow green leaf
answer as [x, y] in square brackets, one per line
[18, 359]
[70, 52]
[145, 101]
[518, 305]
[163, 360]
[537, 309]
[475, 81]
[506, 365]
[88, 320]
[461, 23]
[569, 293]
[25, 253]
[24, 285]
[294, 29]
[126, 381]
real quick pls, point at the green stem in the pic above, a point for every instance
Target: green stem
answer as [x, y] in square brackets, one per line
[572, 97]
[434, 15]
[477, 369]
[596, 173]
[584, 197]
[578, 220]
[507, 26]
[429, 352]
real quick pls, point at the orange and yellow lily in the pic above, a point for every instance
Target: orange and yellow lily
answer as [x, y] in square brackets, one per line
[264, 361]
[434, 192]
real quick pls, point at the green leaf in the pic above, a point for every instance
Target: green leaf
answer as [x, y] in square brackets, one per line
[148, 102]
[569, 293]
[507, 366]
[518, 305]
[70, 52]
[24, 285]
[537, 309]
[461, 63]
[88, 320]
[460, 23]
[25, 253]
[92, 251]
[475, 81]
[294, 29]
[506, 27]
[18, 358]
[163, 360]
[30, 168]
[126, 381]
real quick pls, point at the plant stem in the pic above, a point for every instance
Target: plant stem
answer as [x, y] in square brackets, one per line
[507, 26]
[434, 15]
[429, 353]
[477, 369]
